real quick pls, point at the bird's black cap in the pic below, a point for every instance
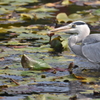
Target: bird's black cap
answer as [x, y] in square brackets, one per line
[79, 23]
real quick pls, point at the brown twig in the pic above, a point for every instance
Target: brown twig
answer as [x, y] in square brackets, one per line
[14, 81]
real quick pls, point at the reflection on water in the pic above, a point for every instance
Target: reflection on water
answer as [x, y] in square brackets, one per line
[13, 98]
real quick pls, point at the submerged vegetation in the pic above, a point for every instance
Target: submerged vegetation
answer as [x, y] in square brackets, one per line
[37, 66]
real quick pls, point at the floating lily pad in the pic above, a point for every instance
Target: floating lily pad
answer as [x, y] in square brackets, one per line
[25, 24]
[21, 9]
[47, 97]
[3, 11]
[3, 30]
[65, 2]
[26, 16]
[35, 49]
[96, 12]
[75, 16]
[62, 17]
[16, 29]
[33, 64]
[44, 9]
[14, 42]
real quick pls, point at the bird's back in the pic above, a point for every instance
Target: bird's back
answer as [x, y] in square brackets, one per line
[91, 48]
[92, 38]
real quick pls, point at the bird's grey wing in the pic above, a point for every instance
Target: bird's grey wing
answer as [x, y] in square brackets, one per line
[92, 52]
[93, 38]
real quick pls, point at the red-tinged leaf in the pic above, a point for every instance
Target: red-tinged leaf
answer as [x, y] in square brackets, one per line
[61, 69]
[72, 1]
[13, 34]
[78, 77]
[50, 4]
[1, 59]
[2, 97]
[60, 77]
[18, 46]
[50, 35]
[92, 3]
[56, 69]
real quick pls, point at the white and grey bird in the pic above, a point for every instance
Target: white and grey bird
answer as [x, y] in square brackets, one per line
[90, 43]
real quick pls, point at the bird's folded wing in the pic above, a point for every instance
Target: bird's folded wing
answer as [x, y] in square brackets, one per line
[92, 52]
[92, 38]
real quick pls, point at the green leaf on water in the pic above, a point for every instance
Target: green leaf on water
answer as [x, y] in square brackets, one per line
[4, 11]
[14, 42]
[48, 96]
[44, 9]
[96, 12]
[17, 30]
[75, 16]
[30, 63]
[21, 9]
[87, 92]
[35, 49]
[26, 16]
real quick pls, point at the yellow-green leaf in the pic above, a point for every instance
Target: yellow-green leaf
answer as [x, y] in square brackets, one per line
[30, 63]
[65, 2]
[26, 16]
[62, 17]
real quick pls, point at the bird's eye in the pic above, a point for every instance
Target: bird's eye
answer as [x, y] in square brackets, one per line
[73, 26]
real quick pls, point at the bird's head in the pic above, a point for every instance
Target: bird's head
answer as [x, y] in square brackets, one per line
[74, 27]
